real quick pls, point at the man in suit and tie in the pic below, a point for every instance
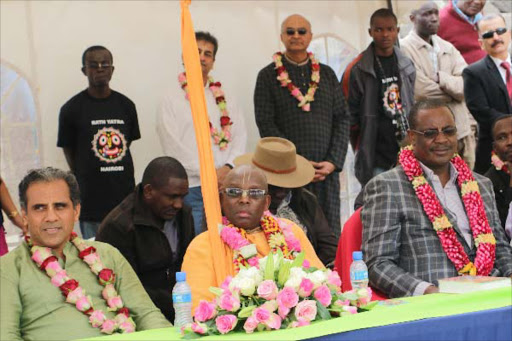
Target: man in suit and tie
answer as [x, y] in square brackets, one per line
[412, 212]
[488, 84]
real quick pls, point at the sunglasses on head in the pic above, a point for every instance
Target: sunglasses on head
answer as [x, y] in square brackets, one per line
[300, 31]
[499, 31]
[431, 134]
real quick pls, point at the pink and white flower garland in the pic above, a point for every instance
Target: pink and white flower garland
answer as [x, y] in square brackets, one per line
[499, 164]
[223, 137]
[473, 203]
[278, 233]
[76, 295]
[284, 78]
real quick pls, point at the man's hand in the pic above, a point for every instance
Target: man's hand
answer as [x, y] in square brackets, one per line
[431, 290]
[322, 169]
[221, 174]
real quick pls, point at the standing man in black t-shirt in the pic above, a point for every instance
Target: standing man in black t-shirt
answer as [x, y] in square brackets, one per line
[96, 128]
[379, 87]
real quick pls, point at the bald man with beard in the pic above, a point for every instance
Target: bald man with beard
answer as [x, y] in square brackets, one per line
[244, 200]
[318, 124]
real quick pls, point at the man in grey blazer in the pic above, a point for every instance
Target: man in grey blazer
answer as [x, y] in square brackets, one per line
[401, 248]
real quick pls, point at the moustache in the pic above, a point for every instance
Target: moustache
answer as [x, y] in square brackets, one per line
[497, 42]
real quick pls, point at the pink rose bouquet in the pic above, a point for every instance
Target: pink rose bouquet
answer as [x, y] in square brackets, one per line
[275, 293]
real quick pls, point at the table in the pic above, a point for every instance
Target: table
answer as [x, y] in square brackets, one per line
[479, 315]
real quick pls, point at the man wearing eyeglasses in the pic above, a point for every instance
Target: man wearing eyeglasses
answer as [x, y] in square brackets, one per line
[404, 247]
[244, 200]
[96, 128]
[488, 84]
[439, 73]
[299, 99]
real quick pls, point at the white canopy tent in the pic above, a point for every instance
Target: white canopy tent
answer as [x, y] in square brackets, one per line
[41, 44]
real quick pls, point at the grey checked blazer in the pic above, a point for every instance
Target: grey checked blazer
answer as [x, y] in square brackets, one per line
[400, 245]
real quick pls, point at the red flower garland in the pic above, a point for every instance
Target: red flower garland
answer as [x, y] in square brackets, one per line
[473, 203]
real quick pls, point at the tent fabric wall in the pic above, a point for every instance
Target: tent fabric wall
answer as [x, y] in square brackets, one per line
[45, 40]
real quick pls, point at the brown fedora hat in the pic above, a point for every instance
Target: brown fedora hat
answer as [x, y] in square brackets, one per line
[278, 159]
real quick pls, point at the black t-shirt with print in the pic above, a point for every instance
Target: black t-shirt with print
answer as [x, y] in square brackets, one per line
[386, 145]
[100, 131]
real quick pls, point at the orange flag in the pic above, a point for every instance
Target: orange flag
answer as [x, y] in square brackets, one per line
[221, 257]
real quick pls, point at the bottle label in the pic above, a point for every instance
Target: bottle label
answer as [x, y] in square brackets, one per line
[359, 276]
[182, 298]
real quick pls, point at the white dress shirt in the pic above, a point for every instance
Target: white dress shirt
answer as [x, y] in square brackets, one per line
[501, 69]
[175, 128]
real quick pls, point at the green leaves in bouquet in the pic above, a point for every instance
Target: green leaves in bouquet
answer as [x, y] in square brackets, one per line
[322, 311]
[216, 291]
[284, 273]
[299, 260]
[269, 267]
[367, 307]
[246, 312]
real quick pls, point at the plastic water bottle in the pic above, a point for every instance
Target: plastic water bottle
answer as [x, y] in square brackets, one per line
[358, 271]
[182, 301]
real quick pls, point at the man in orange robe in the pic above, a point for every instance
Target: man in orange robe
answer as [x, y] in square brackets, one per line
[244, 198]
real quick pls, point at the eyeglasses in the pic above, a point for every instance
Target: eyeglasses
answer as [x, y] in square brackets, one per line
[252, 193]
[98, 65]
[300, 31]
[499, 31]
[431, 134]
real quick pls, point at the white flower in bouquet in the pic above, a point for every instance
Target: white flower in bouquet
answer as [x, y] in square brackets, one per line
[246, 285]
[295, 278]
[318, 278]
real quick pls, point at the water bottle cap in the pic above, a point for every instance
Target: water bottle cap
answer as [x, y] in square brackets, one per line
[181, 276]
[357, 255]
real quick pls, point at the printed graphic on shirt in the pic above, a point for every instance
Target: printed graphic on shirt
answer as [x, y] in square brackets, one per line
[109, 145]
[391, 99]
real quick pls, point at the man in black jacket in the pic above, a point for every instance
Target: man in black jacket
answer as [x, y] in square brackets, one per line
[488, 84]
[499, 173]
[152, 229]
[286, 174]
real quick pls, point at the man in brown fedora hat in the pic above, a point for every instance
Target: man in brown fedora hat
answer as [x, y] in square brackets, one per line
[286, 174]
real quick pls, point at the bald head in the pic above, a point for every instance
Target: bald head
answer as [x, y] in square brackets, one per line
[295, 19]
[245, 209]
[426, 20]
[245, 174]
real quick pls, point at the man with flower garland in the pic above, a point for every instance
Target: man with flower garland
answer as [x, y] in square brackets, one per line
[56, 286]
[299, 99]
[501, 160]
[248, 229]
[175, 126]
[418, 227]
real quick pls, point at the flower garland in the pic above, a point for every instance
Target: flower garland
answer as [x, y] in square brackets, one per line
[473, 203]
[75, 294]
[499, 164]
[284, 78]
[278, 233]
[223, 137]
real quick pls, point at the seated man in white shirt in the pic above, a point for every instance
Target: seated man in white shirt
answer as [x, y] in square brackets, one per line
[176, 128]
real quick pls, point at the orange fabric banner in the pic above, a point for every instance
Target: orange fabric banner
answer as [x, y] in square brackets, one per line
[221, 259]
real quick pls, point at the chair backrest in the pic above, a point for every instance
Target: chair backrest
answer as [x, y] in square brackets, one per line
[350, 241]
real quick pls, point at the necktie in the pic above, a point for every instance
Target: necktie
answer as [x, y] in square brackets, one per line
[508, 77]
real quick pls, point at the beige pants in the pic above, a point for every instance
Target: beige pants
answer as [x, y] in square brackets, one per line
[467, 149]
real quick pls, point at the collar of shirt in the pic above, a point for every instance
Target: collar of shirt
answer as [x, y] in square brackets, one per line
[498, 61]
[431, 176]
[473, 20]
[501, 70]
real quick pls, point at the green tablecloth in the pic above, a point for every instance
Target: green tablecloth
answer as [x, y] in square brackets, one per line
[394, 311]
